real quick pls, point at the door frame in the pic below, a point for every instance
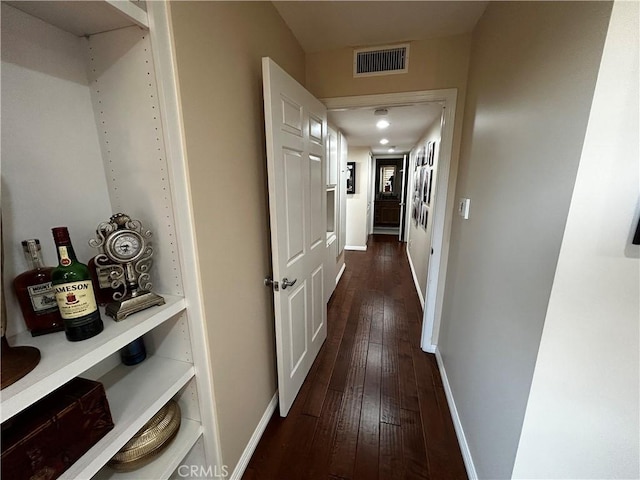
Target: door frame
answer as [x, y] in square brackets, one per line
[444, 195]
[402, 234]
[398, 157]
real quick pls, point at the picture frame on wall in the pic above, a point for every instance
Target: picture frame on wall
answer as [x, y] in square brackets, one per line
[424, 179]
[431, 150]
[424, 216]
[430, 186]
[351, 177]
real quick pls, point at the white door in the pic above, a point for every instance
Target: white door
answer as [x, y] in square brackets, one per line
[296, 127]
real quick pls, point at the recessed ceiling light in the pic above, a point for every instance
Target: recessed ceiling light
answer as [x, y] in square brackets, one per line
[392, 149]
[382, 124]
[384, 141]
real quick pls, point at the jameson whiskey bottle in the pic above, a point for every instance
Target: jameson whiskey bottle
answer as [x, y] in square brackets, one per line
[35, 293]
[74, 291]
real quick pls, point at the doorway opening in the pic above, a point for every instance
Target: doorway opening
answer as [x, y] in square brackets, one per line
[388, 194]
[441, 206]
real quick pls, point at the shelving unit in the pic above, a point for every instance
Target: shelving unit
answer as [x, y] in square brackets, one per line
[91, 127]
[61, 360]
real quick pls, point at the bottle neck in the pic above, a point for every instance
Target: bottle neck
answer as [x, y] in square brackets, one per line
[32, 254]
[66, 254]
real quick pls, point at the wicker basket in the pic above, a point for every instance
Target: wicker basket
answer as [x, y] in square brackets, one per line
[150, 440]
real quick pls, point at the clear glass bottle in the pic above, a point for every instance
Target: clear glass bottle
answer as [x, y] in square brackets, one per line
[35, 293]
[74, 291]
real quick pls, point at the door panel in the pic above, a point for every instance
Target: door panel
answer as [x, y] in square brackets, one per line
[294, 204]
[318, 303]
[296, 128]
[297, 336]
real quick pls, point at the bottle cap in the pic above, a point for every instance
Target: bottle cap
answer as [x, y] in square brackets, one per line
[25, 243]
[61, 235]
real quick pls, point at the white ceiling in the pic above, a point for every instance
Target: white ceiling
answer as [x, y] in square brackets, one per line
[328, 25]
[408, 123]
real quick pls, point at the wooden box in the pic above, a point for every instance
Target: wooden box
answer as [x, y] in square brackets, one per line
[45, 439]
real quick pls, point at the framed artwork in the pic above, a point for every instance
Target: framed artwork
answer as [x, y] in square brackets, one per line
[430, 187]
[424, 216]
[351, 177]
[431, 151]
[424, 180]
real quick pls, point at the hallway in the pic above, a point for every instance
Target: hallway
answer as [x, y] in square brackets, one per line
[373, 405]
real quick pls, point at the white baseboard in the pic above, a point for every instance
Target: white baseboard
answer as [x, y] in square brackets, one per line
[255, 438]
[430, 348]
[339, 276]
[462, 439]
[415, 280]
[360, 248]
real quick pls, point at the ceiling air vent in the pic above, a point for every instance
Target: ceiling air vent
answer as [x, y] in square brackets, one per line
[381, 60]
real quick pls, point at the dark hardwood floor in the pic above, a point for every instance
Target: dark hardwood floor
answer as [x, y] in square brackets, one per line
[373, 405]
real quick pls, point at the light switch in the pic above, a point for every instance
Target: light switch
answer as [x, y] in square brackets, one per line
[463, 207]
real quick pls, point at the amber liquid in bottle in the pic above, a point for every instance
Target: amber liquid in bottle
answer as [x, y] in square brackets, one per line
[35, 293]
[101, 282]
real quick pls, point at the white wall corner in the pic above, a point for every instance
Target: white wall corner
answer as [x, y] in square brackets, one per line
[255, 438]
[462, 439]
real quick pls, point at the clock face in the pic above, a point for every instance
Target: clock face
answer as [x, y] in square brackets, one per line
[124, 246]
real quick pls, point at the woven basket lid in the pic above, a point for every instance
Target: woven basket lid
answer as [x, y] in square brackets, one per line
[150, 440]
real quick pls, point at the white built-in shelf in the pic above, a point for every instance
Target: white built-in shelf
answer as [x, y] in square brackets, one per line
[135, 394]
[62, 360]
[86, 17]
[164, 465]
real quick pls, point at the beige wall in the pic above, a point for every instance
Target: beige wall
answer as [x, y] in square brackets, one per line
[531, 81]
[584, 409]
[219, 46]
[434, 64]
[357, 202]
[419, 239]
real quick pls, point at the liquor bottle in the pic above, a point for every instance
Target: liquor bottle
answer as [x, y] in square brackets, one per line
[74, 291]
[35, 294]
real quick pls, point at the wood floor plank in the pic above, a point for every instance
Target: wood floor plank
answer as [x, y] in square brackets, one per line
[322, 446]
[439, 444]
[377, 319]
[280, 432]
[366, 464]
[413, 446]
[390, 389]
[390, 464]
[327, 360]
[345, 352]
[407, 378]
[293, 464]
[345, 444]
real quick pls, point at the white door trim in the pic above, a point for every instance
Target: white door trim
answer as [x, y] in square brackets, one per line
[444, 195]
